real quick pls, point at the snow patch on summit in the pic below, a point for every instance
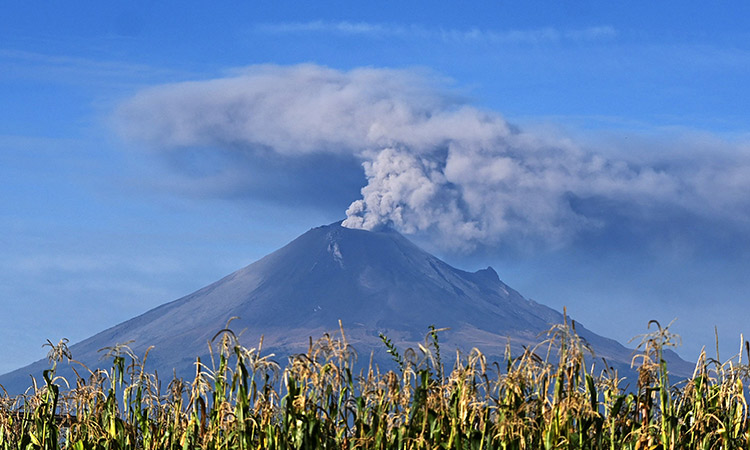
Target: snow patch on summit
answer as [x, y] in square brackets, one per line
[335, 250]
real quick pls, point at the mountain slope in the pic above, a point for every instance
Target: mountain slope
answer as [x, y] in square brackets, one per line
[372, 281]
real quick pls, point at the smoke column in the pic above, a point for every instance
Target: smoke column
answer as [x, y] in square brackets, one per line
[433, 163]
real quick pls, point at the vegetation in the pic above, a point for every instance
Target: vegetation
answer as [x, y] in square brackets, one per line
[545, 398]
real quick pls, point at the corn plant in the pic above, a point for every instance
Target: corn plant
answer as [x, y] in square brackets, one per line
[549, 396]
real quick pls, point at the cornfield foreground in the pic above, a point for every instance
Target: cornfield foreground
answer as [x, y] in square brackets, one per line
[545, 398]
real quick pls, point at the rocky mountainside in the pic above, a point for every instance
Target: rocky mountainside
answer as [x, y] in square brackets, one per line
[374, 282]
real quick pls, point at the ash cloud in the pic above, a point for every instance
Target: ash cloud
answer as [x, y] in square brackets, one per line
[433, 163]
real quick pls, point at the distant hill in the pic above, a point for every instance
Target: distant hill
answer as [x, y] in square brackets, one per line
[374, 282]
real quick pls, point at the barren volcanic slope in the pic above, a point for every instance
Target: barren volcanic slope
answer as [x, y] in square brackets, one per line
[373, 281]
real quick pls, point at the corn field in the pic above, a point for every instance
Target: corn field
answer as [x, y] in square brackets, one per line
[549, 397]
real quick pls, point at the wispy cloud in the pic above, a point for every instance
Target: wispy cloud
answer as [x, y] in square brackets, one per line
[73, 69]
[384, 30]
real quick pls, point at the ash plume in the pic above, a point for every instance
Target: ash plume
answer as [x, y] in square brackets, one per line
[433, 163]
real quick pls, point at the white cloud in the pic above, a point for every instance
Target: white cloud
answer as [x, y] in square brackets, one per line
[433, 163]
[385, 30]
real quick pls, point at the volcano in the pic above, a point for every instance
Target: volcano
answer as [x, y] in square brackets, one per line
[372, 281]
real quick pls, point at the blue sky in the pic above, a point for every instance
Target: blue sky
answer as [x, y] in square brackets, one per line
[620, 131]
